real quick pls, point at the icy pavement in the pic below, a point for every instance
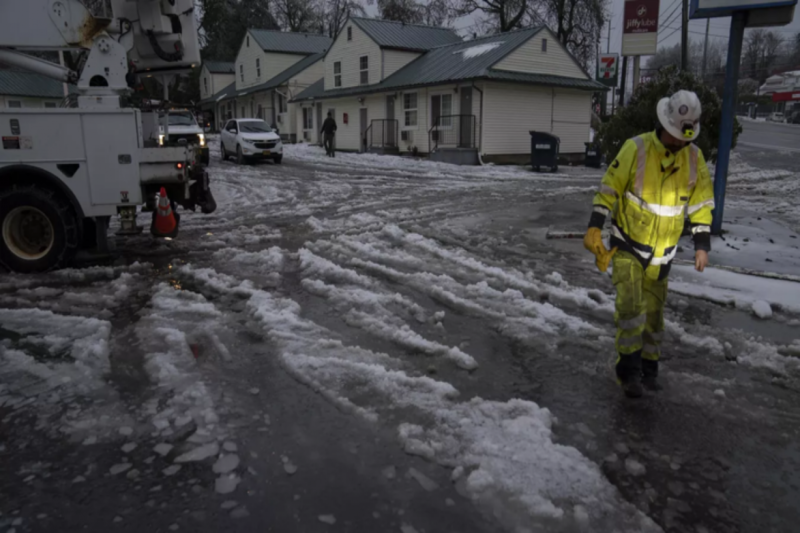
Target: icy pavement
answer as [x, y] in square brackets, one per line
[384, 344]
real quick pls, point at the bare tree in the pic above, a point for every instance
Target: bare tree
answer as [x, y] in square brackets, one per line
[406, 11]
[297, 15]
[336, 12]
[502, 15]
[762, 49]
[577, 23]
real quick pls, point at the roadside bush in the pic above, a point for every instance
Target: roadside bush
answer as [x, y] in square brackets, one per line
[639, 116]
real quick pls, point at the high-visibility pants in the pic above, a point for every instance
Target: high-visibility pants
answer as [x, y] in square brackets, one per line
[639, 314]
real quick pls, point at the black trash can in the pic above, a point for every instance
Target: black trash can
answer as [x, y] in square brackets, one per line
[593, 156]
[544, 150]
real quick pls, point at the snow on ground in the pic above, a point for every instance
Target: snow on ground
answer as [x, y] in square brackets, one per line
[362, 274]
[739, 290]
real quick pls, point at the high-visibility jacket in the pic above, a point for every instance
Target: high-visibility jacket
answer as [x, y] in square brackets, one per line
[647, 189]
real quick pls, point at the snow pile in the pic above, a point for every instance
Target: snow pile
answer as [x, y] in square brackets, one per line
[741, 290]
[506, 451]
[177, 320]
[762, 309]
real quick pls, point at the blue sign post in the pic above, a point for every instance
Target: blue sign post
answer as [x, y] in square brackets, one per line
[738, 21]
[748, 13]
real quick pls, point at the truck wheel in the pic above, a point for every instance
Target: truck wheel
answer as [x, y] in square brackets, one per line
[39, 229]
[278, 159]
[239, 155]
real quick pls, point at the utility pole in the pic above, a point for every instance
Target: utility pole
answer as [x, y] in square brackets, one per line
[622, 85]
[705, 50]
[608, 49]
[685, 36]
[636, 72]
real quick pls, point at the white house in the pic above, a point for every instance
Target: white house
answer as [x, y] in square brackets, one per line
[395, 87]
[19, 88]
[215, 76]
[271, 68]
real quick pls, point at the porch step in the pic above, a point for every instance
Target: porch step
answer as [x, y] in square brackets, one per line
[456, 156]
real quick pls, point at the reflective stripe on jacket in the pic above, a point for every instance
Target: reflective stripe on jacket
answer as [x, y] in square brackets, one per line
[647, 188]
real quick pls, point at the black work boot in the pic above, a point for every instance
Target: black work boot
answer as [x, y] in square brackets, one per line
[629, 373]
[650, 375]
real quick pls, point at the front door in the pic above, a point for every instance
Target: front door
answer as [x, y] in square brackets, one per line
[466, 120]
[319, 122]
[390, 131]
[364, 125]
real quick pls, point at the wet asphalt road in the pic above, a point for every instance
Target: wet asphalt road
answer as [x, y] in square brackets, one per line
[713, 463]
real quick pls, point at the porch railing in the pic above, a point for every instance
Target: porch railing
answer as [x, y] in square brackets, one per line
[382, 133]
[453, 131]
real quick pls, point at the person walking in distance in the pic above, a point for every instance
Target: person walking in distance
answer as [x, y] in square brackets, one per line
[328, 134]
[655, 177]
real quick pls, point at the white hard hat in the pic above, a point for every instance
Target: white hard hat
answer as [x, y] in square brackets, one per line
[680, 115]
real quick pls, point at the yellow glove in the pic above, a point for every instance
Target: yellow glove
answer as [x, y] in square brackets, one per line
[593, 241]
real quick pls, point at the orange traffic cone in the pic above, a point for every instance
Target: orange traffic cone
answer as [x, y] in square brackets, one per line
[164, 223]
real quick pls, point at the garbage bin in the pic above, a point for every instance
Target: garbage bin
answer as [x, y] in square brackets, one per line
[593, 157]
[544, 150]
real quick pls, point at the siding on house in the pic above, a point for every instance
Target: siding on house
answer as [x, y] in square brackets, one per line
[272, 64]
[529, 58]
[511, 111]
[394, 60]
[214, 82]
[572, 119]
[349, 135]
[349, 54]
[297, 84]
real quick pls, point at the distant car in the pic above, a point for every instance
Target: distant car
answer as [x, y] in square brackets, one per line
[794, 118]
[776, 117]
[250, 139]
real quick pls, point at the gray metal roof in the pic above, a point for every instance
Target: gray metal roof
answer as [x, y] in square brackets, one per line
[464, 61]
[291, 42]
[224, 94]
[390, 34]
[276, 81]
[220, 67]
[22, 83]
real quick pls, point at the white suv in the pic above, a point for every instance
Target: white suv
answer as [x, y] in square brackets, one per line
[250, 139]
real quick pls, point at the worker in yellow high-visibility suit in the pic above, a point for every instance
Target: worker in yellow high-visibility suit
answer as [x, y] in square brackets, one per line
[655, 178]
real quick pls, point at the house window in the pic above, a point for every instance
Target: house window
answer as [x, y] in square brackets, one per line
[205, 83]
[364, 67]
[442, 109]
[258, 67]
[410, 109]
[349, 33]
[49, 105]
[544, 45]
[14, 103]
[308, 118]
[242, 115]
[260, 112]
[337, 74]
[281, 102]
[241, 72]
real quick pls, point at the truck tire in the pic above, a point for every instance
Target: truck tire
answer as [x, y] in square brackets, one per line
[38, 229]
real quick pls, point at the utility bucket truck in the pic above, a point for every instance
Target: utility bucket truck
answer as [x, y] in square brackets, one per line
[65, 172]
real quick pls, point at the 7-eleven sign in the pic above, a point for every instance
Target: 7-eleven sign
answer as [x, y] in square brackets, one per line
[607, 69]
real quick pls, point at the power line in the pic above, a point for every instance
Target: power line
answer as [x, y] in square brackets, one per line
[672, 4]
[669, 35]
[671, 12]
